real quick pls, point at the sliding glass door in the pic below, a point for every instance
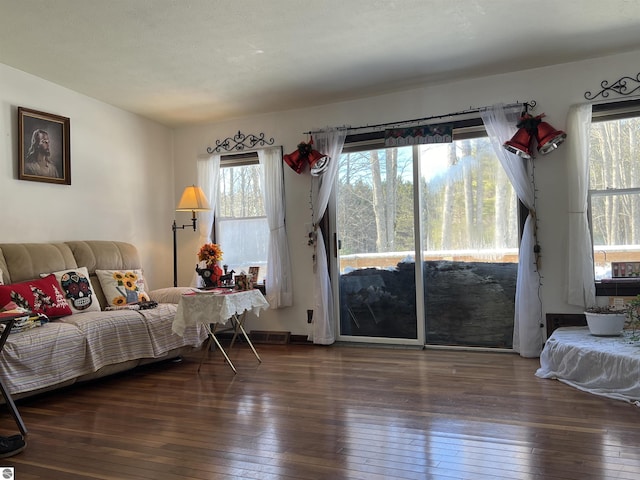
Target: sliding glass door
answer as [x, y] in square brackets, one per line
[375, 221]
[450, 205]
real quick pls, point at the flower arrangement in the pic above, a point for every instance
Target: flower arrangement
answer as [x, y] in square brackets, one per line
[210, 254]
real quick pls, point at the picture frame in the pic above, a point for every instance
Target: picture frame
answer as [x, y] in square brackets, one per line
[253, 274]
[44, 148]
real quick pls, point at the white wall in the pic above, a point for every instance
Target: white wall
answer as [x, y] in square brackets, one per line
[124, 187]
[121, 176]
[554, 89]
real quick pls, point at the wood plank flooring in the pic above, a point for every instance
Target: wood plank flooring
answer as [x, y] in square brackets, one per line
[339, 412]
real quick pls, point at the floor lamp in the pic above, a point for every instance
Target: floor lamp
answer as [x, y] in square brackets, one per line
[194, 200]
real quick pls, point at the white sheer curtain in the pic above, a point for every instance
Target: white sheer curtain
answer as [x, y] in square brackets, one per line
[500, 122]
[329, 142]
[208, 180]
[581, 288]
[279, 285]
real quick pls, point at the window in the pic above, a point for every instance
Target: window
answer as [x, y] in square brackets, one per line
[614, 190]
[241, 226]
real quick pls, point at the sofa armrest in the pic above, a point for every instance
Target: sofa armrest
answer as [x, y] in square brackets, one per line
[169, 294]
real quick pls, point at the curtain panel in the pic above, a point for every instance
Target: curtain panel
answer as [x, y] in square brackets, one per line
[329, 142]
[279, 284]
[581, 289]
[500, 122]
[208, 171]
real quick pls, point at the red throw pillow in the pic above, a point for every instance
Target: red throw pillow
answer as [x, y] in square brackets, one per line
[39, 296]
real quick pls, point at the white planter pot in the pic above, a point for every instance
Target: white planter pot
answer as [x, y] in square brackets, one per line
[605, 324]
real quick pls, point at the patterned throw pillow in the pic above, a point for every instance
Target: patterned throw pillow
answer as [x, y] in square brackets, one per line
[121, 287]
[77, 288]
[40, 296]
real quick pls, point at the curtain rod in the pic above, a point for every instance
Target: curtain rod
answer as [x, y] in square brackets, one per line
[526, 105]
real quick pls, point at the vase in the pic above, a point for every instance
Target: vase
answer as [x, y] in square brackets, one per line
[605, 324]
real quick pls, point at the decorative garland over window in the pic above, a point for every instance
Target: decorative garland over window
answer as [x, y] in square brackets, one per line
[240, 142]
[620, 86]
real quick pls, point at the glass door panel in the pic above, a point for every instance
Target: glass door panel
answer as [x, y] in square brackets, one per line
[469, 238]
[375, 225]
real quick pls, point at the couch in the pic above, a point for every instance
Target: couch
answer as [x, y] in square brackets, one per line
[98, 337]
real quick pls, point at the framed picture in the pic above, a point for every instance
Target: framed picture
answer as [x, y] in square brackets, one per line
[253, 274]
[43, 147]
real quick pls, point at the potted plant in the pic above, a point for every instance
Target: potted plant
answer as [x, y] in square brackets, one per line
[606, 321]
[633, 317]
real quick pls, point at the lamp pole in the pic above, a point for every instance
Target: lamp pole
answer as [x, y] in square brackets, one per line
[175, 227]
[193, 198]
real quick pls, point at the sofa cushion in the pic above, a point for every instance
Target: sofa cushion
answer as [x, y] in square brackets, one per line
[122, 286]
[40, 296]
[113, 336]
[78, 290]
[25, 261]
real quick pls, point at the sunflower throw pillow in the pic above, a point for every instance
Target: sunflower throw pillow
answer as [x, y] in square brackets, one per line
[122, 287]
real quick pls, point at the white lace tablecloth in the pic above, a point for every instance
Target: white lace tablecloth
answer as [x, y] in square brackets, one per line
[214, 307]
[606, 366]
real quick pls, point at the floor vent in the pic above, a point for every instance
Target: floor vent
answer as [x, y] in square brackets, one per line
[264, 336]
[300, 339]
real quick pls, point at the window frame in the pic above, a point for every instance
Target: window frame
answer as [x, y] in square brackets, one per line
[229, 161]
[602, 113]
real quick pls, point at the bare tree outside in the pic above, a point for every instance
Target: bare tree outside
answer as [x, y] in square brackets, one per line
[614, 182]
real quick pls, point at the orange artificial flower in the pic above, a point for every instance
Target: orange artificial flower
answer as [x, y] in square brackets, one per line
[210, 253]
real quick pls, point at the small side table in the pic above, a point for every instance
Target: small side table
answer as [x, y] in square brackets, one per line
[217, 308]
[8, 320]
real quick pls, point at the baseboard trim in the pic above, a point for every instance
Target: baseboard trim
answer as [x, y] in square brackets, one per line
[271, 337]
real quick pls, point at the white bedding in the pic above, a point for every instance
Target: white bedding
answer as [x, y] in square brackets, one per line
[606, 366]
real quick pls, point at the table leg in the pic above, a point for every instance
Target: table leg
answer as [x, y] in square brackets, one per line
[205, 350]
[12, 408]
[237, 323]
[234, 322]
[3, 389]
[213, 337]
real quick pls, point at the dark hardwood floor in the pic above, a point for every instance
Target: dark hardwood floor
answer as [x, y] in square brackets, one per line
[340, 412]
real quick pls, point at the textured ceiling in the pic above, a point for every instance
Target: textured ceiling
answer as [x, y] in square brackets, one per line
[196, 61]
